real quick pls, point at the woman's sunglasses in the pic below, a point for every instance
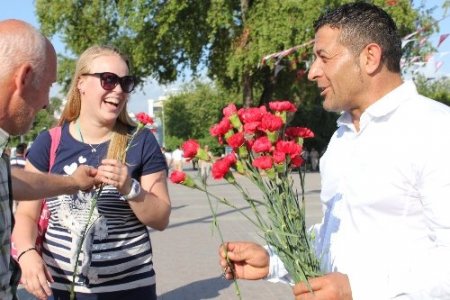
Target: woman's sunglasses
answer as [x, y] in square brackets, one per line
[109, 81]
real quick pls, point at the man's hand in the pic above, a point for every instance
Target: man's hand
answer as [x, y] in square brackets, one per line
[84, 178]
[247, 260]
[333, 286]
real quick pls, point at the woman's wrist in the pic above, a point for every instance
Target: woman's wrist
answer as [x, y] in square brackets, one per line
[25, 251]
[134, 192]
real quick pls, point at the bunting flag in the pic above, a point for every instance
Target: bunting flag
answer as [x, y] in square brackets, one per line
[405, 42]
[438, 65]
[442, 38]
[279, 55]
[429, 57]
[419, 64]
[422, 41]
[411, 35]
[278, 68]
[414, 59]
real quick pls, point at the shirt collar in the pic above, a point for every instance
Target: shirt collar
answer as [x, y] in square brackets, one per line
[385, 105]
[4, 137]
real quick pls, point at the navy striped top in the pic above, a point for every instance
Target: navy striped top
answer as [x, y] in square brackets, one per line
[116, 253]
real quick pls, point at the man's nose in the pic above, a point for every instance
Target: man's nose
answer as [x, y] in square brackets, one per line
[313, 72]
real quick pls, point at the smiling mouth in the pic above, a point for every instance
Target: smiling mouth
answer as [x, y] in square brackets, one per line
[111, 103]
[322, 90]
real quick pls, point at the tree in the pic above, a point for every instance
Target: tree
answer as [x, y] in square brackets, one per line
[437, 89]
[190, 113]
[227, 37]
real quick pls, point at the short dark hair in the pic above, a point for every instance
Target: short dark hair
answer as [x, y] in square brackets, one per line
[362, 23]
[20, 148]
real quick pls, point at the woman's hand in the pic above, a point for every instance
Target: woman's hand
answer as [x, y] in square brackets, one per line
[35, 275]
[115, 173]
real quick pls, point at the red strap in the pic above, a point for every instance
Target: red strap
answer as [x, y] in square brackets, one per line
[55, 136]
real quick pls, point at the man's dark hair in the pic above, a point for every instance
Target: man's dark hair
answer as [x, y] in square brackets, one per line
[20, 149]
[361, 24]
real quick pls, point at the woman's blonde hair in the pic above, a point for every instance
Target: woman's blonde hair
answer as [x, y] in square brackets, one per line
[71, 112]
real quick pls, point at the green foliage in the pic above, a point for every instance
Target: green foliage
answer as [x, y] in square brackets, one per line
[437, 89]
[192, 112]
[228, 38]
[163, 38]
[172, 142]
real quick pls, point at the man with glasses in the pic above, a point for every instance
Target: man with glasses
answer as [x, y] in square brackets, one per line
[28, 63]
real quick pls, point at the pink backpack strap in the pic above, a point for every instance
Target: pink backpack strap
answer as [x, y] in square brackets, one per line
[55, 136]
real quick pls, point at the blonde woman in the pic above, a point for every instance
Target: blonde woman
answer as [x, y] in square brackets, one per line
[116, 256]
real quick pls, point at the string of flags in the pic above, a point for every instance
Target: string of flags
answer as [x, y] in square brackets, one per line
[415, 61]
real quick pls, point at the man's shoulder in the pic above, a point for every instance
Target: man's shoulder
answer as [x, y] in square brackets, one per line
[427, 109]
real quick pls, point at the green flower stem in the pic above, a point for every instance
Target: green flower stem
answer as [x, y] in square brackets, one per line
[80, 243]
[227, 203]
[217, 227]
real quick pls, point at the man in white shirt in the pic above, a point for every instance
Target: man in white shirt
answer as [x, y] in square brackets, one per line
[386, 227]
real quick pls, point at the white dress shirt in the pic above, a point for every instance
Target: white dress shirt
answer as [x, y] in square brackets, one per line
[386, 199]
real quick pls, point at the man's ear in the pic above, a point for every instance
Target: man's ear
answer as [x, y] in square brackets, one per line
[372, 55]
[23, 77]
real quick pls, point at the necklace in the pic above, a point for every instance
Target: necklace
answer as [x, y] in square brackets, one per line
[93, 149]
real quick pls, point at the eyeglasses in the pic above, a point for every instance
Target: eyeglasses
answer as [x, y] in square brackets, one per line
[109, 81]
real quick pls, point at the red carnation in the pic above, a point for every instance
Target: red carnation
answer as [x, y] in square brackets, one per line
[220, 168]
[279, 157]
[263, 162]
[289, 147]
[262, 144]
[236, 140]
[177, 177]
[297, 161]
[229, 110]
[143, 118]
[251, 127]
[221, 128]
[282, 106]
[271, 122]
[251, 114]
[190, 148]
[230, 158]
[302, 132]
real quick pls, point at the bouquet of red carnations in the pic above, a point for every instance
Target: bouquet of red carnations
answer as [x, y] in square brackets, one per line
[265, 151]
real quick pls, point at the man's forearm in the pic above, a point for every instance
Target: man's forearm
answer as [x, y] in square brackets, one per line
[30, 186]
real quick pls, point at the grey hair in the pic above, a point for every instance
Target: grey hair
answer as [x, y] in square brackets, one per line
[27, 45]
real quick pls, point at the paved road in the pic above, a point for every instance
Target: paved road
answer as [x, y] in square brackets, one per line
[185, 254]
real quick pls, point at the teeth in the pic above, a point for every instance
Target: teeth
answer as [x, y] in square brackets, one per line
[112, 101]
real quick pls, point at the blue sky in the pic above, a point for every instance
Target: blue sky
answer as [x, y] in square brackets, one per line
[24, 10]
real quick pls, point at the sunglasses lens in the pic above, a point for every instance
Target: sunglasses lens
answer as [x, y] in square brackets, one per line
[127, 84]
[109, 80]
